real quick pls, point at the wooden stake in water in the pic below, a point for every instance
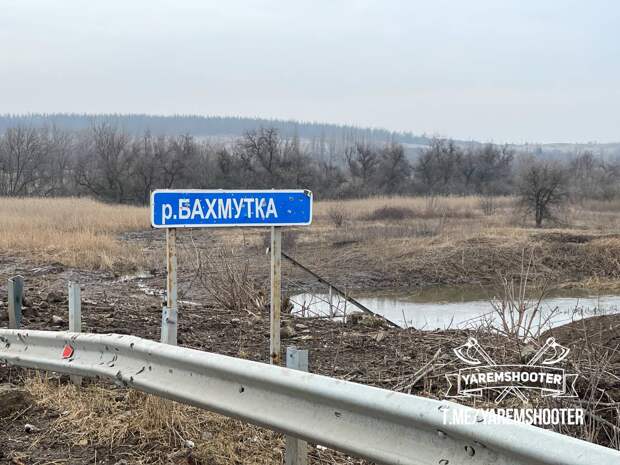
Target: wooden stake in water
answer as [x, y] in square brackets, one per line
[276, 291]
[170, 311]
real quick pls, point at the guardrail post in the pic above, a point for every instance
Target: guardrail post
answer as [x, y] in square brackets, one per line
[276, 290]
[169, 326]
[15, 291]
[169, 314]
[296, 452]
[75, 318]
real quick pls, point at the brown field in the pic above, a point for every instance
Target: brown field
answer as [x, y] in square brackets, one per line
[72, 231]
[401, 241]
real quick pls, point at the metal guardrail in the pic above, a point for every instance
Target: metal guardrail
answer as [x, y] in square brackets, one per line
[376, 424]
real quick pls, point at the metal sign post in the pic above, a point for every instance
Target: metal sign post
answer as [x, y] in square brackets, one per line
[276, 298]
[172, 209]
[170, 312]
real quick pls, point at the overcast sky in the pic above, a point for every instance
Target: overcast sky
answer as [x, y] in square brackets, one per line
[490, 70]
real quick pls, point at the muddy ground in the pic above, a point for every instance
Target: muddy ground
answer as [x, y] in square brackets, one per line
[362, 350]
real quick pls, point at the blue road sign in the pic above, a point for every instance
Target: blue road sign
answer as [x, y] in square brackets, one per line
[224, 208]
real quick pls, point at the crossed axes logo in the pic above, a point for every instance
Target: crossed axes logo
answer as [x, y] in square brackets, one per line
[485, 374]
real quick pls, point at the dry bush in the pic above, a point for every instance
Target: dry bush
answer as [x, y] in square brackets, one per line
[290, 238]
[488, 205]
[604, 206]
[227, 280]
[601, 407]
[434, 207]
[75, 232]
[431, 228]
[595, 358]
[521, 316]
[338, 216]
[439, 207]
[387, 213]
[410, 231]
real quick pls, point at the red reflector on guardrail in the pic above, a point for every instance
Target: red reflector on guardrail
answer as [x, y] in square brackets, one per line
[67, 352]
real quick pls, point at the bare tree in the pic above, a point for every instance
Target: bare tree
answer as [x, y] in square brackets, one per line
[58, 161]
[593, 178]
[104, 166]
[492, 169]
[261, 155]
[363, 162]
[20, 161]
[394, 169]
[146, 169]
[113, 165]
[541, 189]
[437, 167]
[176, 162]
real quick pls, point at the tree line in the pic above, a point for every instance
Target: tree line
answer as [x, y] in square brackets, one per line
[205, 126]
[110, 164]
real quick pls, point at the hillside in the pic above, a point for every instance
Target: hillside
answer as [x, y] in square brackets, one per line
[224, 127]
[207, 126]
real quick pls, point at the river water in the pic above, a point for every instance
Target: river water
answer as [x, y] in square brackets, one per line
[457, 308]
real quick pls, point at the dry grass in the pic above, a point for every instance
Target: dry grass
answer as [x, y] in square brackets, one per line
[75, 232]
[411, 221]
[147, 429]
[420, 207]
[384, 232]
[393, 227]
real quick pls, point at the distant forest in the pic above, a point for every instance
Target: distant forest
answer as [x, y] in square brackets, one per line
[122, 159]
[210, 126]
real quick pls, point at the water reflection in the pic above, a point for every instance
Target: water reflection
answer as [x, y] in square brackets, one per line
[419, 313]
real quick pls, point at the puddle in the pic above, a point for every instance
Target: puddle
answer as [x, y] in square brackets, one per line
[151, 291]
[132, 277]
[458, 311]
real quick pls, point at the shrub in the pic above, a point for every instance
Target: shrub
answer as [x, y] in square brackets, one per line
[488, 205]
[391, 213]
[289, 239]
[337, 216]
